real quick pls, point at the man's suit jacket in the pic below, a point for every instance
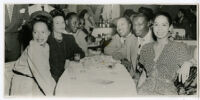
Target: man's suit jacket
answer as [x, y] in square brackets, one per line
[128, 50]
[11, 27]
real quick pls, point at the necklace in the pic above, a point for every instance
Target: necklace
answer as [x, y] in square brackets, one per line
[58, 37]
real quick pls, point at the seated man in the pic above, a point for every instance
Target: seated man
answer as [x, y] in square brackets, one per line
[72, 22]
[122, 46]
[142, 30]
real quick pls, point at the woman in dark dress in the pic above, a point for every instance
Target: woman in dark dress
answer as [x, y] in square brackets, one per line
[62, 46]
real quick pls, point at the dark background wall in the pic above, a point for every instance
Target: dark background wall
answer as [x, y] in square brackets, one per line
[171, 9]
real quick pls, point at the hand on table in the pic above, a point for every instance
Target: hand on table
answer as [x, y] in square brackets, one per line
[117, 56]
[127, 64]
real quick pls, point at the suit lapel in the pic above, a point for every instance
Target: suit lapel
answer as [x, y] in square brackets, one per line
[129, 42]
[14, 13]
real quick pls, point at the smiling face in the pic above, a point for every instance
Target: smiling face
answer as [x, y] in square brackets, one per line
[140, 26]
[73, 24]
[58, 24]
[161, 27]
[40, 32]
[123, 27]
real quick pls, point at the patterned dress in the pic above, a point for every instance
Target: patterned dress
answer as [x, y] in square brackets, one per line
[162, 73]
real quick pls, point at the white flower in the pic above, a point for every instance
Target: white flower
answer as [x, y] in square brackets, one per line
[22, 10]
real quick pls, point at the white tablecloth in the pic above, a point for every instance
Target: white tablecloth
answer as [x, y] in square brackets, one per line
[96, 80]
[8, 75]
[92, 78]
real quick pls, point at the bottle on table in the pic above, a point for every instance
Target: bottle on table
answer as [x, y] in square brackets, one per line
[100, 21]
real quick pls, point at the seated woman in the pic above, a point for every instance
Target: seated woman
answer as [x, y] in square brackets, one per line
[62, 46]
[32, 75]
[161, 60]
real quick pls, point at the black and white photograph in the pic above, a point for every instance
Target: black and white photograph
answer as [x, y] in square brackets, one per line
[100, 50]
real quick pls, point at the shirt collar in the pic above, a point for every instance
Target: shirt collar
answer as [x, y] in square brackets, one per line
[127, 36]
[147, 37]
[122, 39]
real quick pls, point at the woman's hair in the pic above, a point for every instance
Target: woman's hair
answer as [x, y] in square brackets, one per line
[163, 14]
[57, 12]
[82, 14]
[43, 19]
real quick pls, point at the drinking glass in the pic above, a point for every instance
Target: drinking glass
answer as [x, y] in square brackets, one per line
[77, 57]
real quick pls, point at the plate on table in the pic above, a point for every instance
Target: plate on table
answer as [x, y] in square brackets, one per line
[103, 81]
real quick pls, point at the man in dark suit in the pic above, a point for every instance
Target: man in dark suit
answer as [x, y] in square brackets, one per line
[15, 15]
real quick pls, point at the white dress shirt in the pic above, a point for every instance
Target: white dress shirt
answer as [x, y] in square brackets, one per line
[10, 10]
[142, 41]
[123, 39]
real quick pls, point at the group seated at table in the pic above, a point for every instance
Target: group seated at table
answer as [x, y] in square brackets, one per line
[153, 65]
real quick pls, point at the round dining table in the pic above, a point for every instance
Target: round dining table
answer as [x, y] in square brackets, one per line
[96, 76]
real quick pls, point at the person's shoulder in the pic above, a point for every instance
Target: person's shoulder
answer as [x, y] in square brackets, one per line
[68, 36]
[148, 45]
[150, 35]
[178, 45]
[69, 39]
[50, 38]
[115, 36]
[82, 33]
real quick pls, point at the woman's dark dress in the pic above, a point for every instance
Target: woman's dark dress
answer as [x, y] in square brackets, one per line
[60, 51]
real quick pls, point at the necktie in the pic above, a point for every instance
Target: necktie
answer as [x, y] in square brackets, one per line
[122, 40]
[138, 57]
[139, 46]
